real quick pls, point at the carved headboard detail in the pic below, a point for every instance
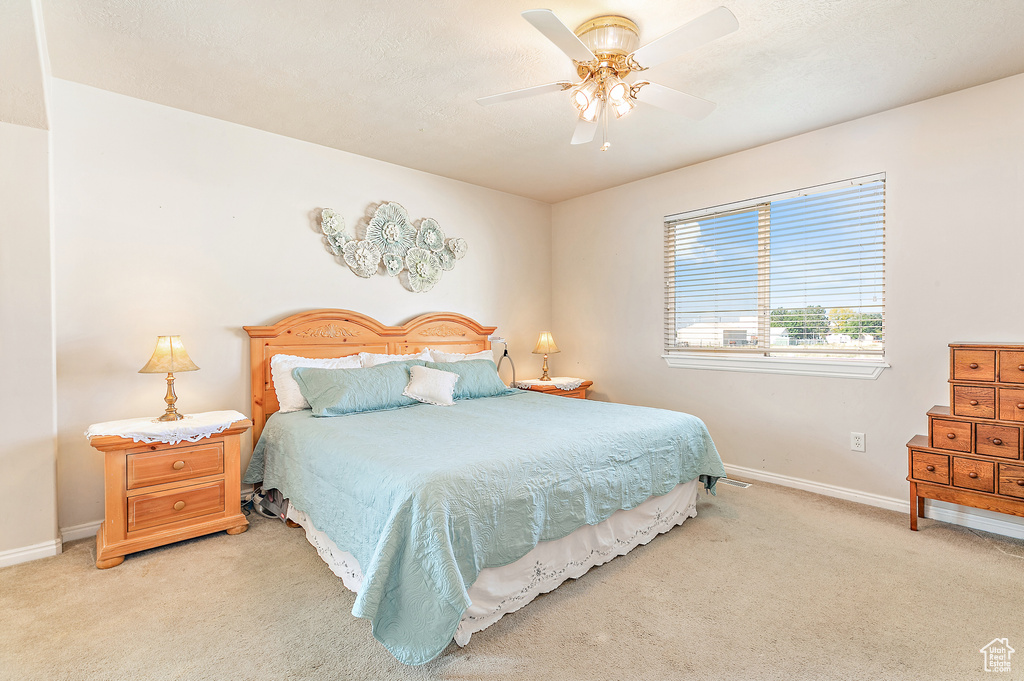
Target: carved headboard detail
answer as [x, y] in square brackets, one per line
[338, 333]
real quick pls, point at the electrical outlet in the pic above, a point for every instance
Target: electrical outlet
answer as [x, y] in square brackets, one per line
[857, 442]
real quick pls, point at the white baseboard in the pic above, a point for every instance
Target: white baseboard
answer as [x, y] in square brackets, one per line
[83, 531]
[936, 510]
[27, 553]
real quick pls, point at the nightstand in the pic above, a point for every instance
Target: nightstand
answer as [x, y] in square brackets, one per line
[549, 388]
[157, 493]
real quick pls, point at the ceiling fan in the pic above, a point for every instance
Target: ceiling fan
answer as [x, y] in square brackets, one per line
[604, 52]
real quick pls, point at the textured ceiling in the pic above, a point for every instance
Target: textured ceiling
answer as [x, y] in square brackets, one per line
[396, 80]
[22, 100]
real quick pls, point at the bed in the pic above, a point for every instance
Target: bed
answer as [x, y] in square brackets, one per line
[443, 519]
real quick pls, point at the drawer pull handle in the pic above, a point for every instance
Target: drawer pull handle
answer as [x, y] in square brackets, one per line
[996, 441]
[974, 365]
[1021, 483]
[972, 474]
[951, 436]
[178, 465]
[1020, 405]
[974, 403]
[930, 468]
[1020, 367]
[181, 504]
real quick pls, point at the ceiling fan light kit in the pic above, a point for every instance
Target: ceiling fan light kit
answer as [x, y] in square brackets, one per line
[605, 52]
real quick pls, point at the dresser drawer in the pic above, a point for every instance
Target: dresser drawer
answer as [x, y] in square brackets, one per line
[973, 474]
[974, 365]
[185, 463]
[1011, 404]
[929, 467]
[1011, 480]
[952, 435]
[160, 508]
[992, 440]
[579, 393]
[969, 400]
[1011, 366]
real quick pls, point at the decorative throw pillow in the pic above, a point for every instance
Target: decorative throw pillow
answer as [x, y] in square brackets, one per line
[289, 397]
[477, 378]
[442, 356]
[372, 359]
[431, 386]
[334, 392]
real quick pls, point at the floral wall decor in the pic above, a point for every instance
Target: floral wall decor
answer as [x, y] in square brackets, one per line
[393, 245]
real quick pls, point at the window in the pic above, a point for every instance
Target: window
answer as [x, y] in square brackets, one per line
[799, 277]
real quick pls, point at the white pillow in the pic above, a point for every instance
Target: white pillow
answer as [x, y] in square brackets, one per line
[431, 386]
[441, 356]
[372, 359]
[288, 396]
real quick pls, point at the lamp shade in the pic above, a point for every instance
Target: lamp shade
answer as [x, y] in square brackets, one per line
[169, 357]
[545, 344]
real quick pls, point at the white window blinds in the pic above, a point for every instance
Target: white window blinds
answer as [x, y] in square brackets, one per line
[791, 274]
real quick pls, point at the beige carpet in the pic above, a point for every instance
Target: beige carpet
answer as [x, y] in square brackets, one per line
[766, 583]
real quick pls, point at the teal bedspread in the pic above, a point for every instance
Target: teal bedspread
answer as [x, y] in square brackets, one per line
[425, 497]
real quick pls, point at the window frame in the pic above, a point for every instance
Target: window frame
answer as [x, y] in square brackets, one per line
[761, 360]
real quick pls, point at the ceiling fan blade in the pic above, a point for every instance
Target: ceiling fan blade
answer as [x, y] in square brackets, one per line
[585, 131]
[545, 21]
[525, 92]
[705, 28]
[675, 101]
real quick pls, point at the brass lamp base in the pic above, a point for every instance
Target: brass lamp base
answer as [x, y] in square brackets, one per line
[171, 413]
[544, 376]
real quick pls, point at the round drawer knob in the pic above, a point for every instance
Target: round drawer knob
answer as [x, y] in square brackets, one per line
[178, 465]
[972, 474]
[181, 504]
[951, 436]
[974, 403]
[1020, 367]
[1021, 483]
[974, 365]
[996, 441]
[930, 468]
[1020, 405]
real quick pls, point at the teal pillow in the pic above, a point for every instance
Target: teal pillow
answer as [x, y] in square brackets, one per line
[477, 378]
[335, 392]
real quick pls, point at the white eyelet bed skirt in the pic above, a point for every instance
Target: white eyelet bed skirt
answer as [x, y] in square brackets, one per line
[501, 590]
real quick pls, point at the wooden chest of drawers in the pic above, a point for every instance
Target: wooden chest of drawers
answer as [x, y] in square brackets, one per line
[156, 494]
[973, 454]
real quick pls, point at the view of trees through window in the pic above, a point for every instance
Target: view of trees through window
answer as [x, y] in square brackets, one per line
[793, 274]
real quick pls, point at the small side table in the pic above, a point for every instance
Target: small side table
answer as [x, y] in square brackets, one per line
[159, 493]
[549, 388]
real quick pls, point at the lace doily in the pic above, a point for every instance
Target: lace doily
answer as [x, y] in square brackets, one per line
[192, 428]
[560, 382]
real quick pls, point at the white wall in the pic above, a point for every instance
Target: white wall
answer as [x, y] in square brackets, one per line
[27, 445]
[955, 246]
[168, 222]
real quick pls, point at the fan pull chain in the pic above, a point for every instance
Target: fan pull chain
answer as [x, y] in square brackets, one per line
[604, 129]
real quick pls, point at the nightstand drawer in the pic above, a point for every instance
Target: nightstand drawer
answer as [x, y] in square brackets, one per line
[578, 393]
[929, 467]
[973, 474]
[952, 435]
[969, 400]
[165, 465]
[1011, 480]
[160, 508]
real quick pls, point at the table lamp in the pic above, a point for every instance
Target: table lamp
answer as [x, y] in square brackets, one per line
[169, 356]
[545, 346]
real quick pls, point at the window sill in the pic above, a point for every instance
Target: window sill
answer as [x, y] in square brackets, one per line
[867, 369]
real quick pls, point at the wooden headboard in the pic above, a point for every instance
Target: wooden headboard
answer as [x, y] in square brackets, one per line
[337, 333]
